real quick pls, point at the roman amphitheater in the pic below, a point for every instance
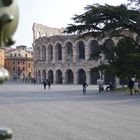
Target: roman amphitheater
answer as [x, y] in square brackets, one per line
[65, 59]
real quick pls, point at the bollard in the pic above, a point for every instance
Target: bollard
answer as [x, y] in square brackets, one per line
[5, 133]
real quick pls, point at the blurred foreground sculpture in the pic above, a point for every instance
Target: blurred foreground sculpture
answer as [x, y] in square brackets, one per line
[5, 133]
[8, 21]
[8, 25]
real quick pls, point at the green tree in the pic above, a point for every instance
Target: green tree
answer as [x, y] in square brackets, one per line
[126, 61]
[121, 21]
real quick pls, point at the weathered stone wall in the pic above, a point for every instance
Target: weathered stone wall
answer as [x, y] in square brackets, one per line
[64, 59]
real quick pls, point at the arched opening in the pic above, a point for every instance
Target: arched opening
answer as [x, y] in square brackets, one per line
[58, 52]
[38, 53]
[43, 75]
[69, 52]
[58, 77]
[44, 53]
[93, 48]
[81, 76]
[50, 76]
[50, 53]
[108, 50]
[81, 50]
[94, 76]
[69, 77]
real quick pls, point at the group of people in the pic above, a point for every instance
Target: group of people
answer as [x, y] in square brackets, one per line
[45, 83]
[133, 85]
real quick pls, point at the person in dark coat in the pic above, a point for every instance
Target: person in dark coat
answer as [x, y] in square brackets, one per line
[130, 85]
[85, 88]
[49, 84]
[44, 84]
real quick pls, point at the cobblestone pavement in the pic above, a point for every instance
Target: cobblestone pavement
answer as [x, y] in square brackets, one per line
[64, 113]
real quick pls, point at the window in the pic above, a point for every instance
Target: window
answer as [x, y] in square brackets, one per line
[13, 62]
[13, 68]
[11, 55]
[18, 68]
[29, 65]
[25, 55]
[23, 68]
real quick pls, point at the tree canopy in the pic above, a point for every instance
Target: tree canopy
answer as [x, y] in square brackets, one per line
[122, 21]
[102, 20]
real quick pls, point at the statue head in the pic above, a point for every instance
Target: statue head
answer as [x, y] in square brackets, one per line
[8, 21]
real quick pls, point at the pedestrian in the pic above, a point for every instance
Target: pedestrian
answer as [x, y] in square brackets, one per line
[130, 85]
[110, 86]
[136, 87]
[85, 85]
[34, 80]
[49, 84]
[44, 84]
[100, 83]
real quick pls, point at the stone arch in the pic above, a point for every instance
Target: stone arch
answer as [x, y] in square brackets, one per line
[69, 52]
[38, 53]
[94, 76]
[58, 77]
[69, 78]
[93, 48]
[108, 50]
[50, 53]
[44, 52]
[35, 53]
[43, 74]
[58, 52]
[50, 76]
[80, 50]
[81, 76]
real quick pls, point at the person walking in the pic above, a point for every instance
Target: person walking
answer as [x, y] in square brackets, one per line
[85, 85]
[100, 84]
[49, 84]
[136, 87]
[130, 86]
[44, 84]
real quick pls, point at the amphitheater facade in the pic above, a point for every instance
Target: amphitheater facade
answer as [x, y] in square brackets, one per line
[64, 59]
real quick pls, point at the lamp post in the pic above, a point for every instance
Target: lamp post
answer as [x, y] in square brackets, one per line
[8, 25]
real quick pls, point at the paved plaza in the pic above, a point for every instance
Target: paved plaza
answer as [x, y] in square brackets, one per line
[64, 113]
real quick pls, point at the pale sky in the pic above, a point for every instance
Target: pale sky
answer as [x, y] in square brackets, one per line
[52, 13]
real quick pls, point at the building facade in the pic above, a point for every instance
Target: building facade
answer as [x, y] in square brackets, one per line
[19, 63]
[2, 58]
[65, 59]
